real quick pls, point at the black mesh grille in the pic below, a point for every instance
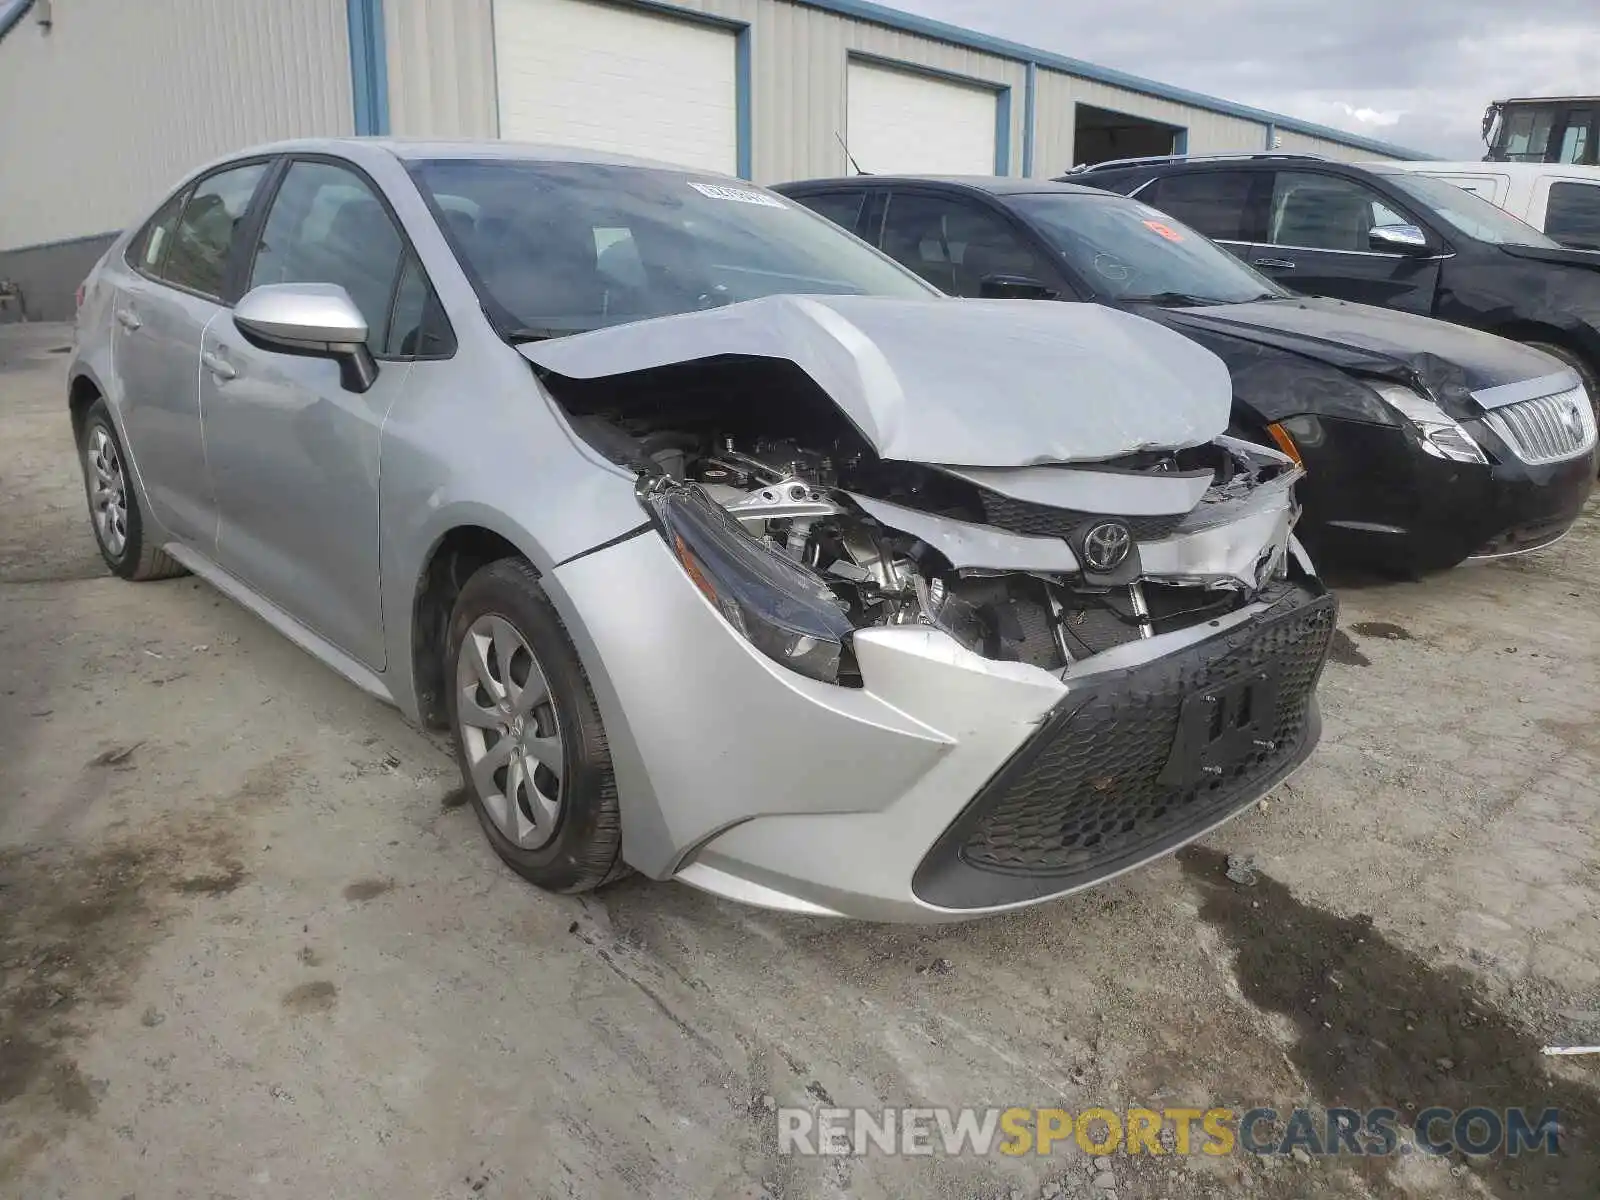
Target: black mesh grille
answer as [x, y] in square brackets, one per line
[1022, 516]
[1085, 797]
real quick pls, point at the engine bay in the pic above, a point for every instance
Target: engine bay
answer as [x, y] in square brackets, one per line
[802, 494]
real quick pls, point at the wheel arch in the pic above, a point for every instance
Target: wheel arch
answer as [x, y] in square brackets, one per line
[454, 557]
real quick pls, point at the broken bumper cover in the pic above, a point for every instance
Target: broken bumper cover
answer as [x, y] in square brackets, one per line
[1118, 770]
[1139, 763]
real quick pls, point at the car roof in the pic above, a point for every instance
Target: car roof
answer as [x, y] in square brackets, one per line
[416, 149]
[1514, 170]
[994, 185]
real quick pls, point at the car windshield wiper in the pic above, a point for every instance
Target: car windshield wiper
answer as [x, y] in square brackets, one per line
[537, 333]
[1177, 298]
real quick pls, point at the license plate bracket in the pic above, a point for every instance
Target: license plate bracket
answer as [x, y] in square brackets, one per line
[1220, 727]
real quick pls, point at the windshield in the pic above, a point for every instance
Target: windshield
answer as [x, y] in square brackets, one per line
[1472, 215]
[561, 247]
[1129, 251]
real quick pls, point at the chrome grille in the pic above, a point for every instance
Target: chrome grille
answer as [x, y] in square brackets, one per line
[1548, 428]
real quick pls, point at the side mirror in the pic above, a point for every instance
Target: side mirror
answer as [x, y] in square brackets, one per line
[1013, 287]
[1407, 239]
[315, 320]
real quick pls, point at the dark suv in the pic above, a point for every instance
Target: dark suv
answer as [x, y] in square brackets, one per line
[1381, 236]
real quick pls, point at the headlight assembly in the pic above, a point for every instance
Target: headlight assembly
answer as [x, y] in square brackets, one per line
[1441, 435]
[782, 609]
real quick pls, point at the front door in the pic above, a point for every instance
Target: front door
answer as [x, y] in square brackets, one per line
[1317, 244]
[179, 264]
[295, 455]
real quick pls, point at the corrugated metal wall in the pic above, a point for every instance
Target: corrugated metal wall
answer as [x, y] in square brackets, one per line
[119, 98]
[1058, 94]
[441, 68]
[1300, 143]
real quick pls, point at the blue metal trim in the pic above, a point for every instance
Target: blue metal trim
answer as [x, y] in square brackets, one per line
[1272, 136]
[1030, 95]
[12, 11]
[863, 10]
[1180, 141]
[1002, 132]
[743, 93]
[369, 66]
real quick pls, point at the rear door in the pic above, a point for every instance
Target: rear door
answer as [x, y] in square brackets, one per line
[1316, 242]
[844, 208]
[180, 264]
[294, 453]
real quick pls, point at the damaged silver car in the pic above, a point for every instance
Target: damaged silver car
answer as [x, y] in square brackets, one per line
[727, 549]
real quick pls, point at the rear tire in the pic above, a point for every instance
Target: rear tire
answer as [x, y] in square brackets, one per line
[114, 513]
[528, 735]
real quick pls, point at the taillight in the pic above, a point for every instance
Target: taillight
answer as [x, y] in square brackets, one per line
[79, 295]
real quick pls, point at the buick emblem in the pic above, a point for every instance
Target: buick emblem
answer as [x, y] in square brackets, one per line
[1106, 546]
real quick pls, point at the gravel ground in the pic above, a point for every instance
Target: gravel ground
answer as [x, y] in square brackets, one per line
[250, 946]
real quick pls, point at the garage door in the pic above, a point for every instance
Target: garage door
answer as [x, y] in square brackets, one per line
[901, 123]
[612, 78]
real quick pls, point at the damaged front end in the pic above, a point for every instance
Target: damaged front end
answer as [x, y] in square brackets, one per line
[799, 547]
[1079, 658]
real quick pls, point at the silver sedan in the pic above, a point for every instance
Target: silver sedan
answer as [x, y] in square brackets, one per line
[727, 549]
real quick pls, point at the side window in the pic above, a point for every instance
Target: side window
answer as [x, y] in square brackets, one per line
[203, 241]
[1575, 139]
[1573, 215]
[327, 226]
[150, 246]
[1325, 212]
[418, 327]
[955, 245]
[842, 208]
[1214, 202]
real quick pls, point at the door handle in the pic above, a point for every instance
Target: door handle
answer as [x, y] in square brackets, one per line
[128, 319]
[219, 366]
[1274, 264]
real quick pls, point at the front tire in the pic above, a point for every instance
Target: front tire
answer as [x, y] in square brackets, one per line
[114, 513]
[528, 735]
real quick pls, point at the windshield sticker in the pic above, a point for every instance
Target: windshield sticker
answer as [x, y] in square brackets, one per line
[1162, 229]
[739, 195]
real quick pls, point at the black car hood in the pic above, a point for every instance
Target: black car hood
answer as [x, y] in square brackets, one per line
[1450, 361]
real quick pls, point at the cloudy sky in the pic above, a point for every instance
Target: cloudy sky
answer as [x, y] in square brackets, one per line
[1417, 73]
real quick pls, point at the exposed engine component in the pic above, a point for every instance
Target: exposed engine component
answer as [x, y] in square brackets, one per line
[795, 504]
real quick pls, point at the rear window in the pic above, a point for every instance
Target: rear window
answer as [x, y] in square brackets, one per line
[1573, 215]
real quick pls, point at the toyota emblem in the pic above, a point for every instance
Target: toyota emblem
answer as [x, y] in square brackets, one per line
[1106, 546]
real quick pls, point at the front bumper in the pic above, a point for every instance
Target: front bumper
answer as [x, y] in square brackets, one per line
[755, 783]
[1372, 496]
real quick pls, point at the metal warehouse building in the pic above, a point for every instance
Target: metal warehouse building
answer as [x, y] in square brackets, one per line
[103, 103]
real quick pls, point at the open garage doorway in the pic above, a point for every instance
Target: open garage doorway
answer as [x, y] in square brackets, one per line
[1100, 134]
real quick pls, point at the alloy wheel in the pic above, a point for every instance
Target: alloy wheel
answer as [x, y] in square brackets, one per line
[510, 731]
[108, 491]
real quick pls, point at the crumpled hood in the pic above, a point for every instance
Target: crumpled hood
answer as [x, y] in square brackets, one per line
[978, 383]
[1372, 341]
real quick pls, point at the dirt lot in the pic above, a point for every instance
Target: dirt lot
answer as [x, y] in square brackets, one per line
[249, 947]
